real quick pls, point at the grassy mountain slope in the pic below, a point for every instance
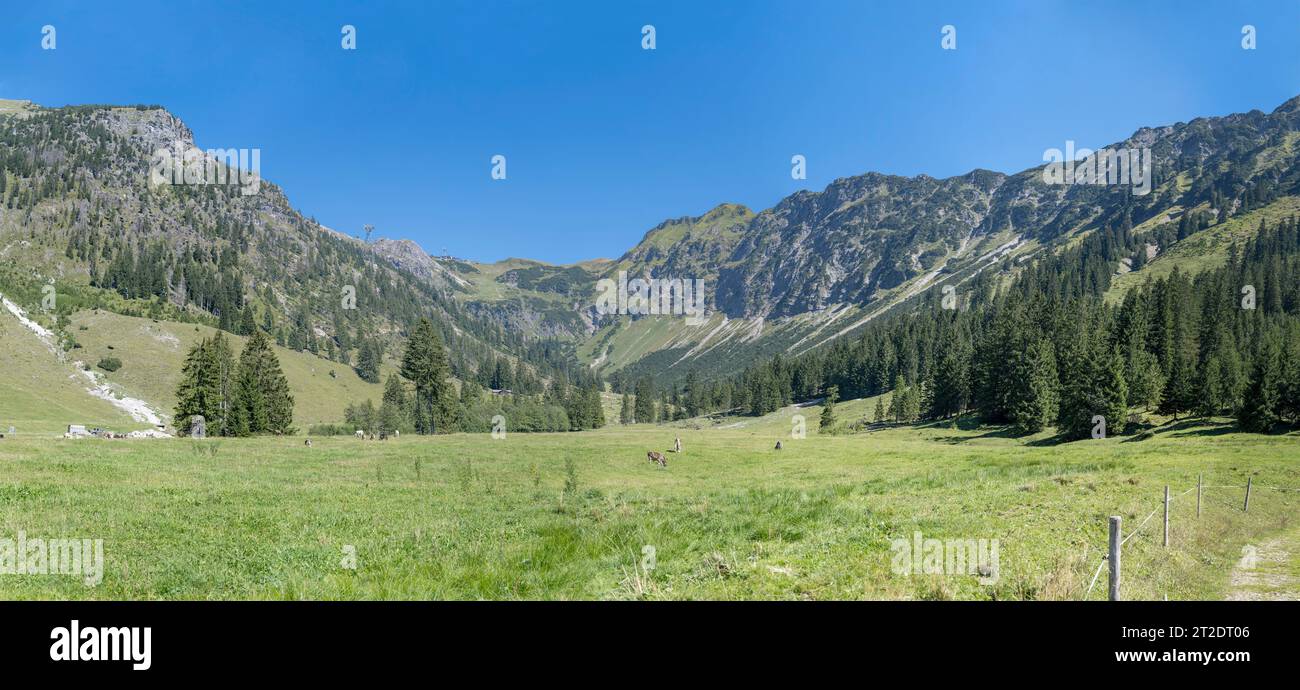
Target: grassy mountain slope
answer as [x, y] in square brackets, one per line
[78, 206]
[40, 394]
[1206, 249]
[152, 353]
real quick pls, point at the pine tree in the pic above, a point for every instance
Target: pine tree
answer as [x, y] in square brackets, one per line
[880, 409]
[1263, 397]
[625, 410]
[827, 422]
[262, 400]
[368, 361]
[898, 401]
[393, 410]
[425, 365]
[196, 394]
[952, 386]
[1034, 398]
[644, 406]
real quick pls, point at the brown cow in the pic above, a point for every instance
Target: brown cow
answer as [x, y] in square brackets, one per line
[656, 456]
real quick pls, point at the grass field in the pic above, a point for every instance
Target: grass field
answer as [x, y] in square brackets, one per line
[569, 516]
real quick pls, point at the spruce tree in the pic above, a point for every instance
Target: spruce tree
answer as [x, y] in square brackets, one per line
[1034, 398]
[263, 400]
[952, 386]
[1146, 382]
[369, 359]
[393, 410]
[425, 365]
[1263, 397]
[625, 410]
[196, 394]
[898, 403]
[222, 358]
[644, 405]
[827, 422]
[1289, 375]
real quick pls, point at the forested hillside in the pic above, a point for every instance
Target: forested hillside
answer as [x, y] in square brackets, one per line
[1048, 350]
[77, 211]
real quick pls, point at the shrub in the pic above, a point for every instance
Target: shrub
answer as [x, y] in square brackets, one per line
[110, 364]
[331, 430]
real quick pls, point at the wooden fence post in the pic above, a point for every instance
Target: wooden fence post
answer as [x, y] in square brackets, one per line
[1166, 515]
[1199, 477]
[1115, 538]
[1246, 508]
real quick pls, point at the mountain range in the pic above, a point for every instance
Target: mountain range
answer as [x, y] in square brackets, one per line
[78, 211]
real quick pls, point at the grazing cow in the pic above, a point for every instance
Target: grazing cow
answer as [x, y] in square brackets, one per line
[307, 443]
[677, 445]
[778, 445]
[361, 434]
[656, 456]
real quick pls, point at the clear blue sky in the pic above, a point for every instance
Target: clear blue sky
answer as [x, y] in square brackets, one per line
[603, 139]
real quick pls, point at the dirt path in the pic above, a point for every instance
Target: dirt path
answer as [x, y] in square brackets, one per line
[1268, 571]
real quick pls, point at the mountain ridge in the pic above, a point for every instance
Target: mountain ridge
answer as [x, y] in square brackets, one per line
[777, 278]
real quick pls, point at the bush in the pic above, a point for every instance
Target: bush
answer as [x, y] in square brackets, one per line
[331, 430]
[110, 364]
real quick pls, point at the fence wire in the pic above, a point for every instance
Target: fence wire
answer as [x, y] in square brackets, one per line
[1225, 502]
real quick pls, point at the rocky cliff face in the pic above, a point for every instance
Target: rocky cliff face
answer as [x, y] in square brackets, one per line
[859, 236]
[871, 233]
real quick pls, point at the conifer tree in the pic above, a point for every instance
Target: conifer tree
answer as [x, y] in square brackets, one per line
[952, 386]
[644, 405]
[827, 422]
[368, 361]
[625, 410]
[197, 393]
[1034, 398]
[898, 401]
[1263, 397]
[263, 400]
[425, 365]
[393, 411]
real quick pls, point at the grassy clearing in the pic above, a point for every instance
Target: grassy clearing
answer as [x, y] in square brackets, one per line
[568, 516]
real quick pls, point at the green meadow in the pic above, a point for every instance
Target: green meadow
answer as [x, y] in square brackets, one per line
[585, 516]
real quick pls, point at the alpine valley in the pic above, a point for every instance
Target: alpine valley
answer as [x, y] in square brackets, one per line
[98, 264]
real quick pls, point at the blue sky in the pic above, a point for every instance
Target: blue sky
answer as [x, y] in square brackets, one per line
[603, 139]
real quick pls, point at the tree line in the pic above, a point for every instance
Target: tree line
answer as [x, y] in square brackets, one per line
[422, 399]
